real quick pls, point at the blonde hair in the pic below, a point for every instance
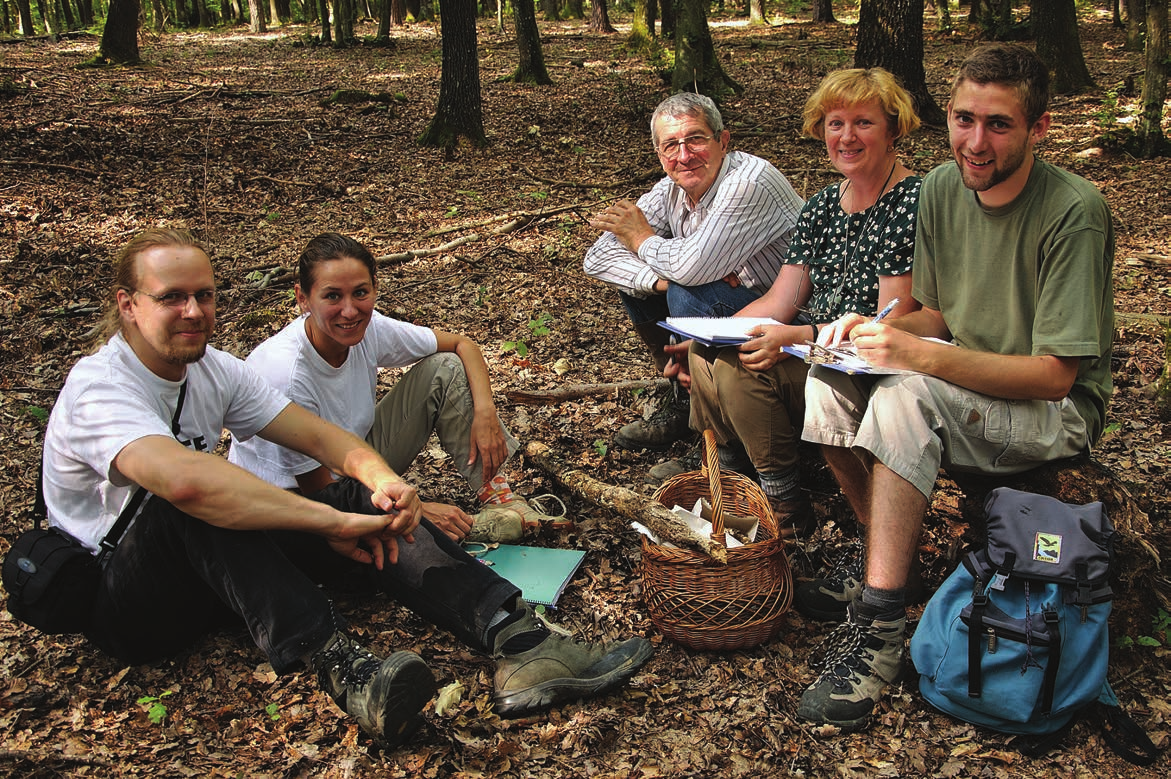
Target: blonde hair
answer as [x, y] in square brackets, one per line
[126, 270]
[861, 85]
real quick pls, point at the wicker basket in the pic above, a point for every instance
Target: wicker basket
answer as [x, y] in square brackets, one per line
[701, 603]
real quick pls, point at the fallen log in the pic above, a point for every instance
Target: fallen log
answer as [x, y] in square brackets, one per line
[1139, 589]
[628, 503]
[575, 391]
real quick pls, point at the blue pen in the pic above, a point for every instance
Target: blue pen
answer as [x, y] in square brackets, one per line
[886, 310]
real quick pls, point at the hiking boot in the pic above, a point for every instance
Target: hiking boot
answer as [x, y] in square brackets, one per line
[692, 461]
[557, 668]
[385, 696]
[794, 518]
[669, 423]
[497, 523]
[826, 599]
[860, 658]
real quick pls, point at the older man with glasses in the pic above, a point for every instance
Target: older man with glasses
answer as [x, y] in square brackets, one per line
[705, 241]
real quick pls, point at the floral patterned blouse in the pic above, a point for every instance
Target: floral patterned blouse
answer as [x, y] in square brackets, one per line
[846, 253]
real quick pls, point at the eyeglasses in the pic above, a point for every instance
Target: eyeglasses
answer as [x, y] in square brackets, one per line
[204, 297]
[694, 143]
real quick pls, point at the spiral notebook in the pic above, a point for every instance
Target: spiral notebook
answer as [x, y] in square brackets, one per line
[541, 574]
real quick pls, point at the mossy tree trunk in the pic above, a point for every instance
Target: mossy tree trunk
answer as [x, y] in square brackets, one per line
[120, 35]
[1154, 143]
[460, 113]
[697, 69]
[531, 68]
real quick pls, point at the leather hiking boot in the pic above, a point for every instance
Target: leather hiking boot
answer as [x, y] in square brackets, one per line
[692, 461]
[385, 696]
[827, 599]
[794, 518]
[669, 423]
[860, 658]
[559, 668]
[497, 523]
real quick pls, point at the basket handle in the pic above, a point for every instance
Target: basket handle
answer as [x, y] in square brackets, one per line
[711, 467]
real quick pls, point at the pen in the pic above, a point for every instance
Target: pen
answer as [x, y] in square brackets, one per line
[886, 310]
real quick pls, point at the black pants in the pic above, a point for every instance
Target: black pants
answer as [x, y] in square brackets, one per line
[174, 578]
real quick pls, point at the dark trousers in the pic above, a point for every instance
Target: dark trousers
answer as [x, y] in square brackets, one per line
[174, 578]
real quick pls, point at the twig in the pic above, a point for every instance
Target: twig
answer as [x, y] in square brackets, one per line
[38, 756]
[50, 166]
[575, 391]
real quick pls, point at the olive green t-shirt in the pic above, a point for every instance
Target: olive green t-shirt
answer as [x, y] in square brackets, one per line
[1033, 277]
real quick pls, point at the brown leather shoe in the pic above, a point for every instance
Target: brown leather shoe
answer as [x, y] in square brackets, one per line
[795, 518]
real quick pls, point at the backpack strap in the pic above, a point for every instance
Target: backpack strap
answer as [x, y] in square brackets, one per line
[1049, 682]
[976, 639]
[1125, 737]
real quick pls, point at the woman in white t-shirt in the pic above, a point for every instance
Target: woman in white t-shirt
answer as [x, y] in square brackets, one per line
[327, 360]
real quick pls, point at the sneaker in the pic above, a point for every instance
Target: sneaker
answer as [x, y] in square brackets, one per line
[827, 599]
[497, 523]
[385, 696]
[558, 668]
[860, 658]
[669, 423]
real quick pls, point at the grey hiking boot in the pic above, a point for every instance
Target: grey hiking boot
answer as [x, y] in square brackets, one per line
[826, 599]
[669, 423]
[692, 461]
[557, 668]
[385, 696]
[859, 659]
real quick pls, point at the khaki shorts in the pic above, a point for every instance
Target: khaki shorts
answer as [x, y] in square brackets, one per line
[914, 424]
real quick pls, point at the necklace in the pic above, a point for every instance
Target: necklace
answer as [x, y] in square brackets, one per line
[847, 253]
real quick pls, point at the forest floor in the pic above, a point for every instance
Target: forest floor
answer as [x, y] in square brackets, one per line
[227, 133]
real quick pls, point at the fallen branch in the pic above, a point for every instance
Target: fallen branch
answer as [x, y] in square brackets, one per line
[50, 166]
[575, 391]
[657, 517]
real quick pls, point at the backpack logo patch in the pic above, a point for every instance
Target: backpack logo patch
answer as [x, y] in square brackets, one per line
[1047, 548]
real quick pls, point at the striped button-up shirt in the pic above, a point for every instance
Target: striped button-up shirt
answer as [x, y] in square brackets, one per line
[741, 225]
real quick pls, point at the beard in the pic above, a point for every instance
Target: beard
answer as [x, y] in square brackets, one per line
[999, 172]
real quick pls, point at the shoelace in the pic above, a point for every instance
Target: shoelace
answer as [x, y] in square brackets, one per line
[848, 566]
[837, 646]
[539, 502]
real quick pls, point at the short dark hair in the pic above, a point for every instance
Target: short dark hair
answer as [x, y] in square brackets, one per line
[1011, 65]
[327, 247]
[126, 269]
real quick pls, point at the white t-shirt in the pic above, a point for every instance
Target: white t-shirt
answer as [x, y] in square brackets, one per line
[343, 396]
[110, 399]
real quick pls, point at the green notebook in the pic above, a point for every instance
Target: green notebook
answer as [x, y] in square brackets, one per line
[541, 574]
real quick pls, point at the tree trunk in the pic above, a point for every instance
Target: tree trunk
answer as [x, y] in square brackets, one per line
[574, 10]
[600, 17]
[256, 17]
[25, 11]
[640, 34]
[120, 35]
[460, 111]
[1134, 25]
[67, 14]
[823, 11]
[204, 13]
[667, 11]
[398, 13]
[85, 11]
[160, 15]
[1059, 46]
[697, 69]
[890, 35]
[756, 14]
[323, 9]
[550, 8]
[1154, 94]
[531, 67]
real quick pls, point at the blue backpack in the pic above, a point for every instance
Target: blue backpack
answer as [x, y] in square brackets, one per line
[1016, 639]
